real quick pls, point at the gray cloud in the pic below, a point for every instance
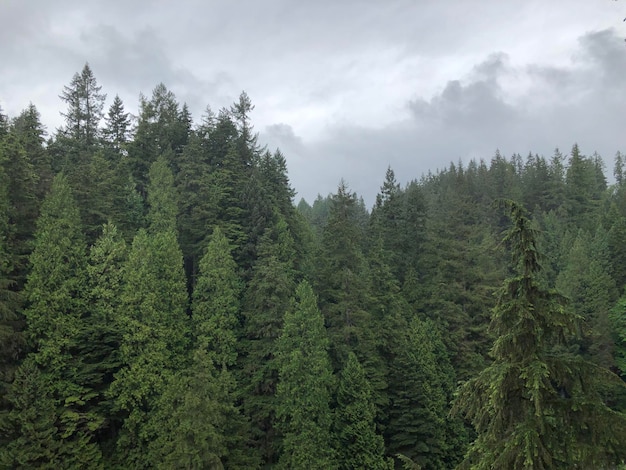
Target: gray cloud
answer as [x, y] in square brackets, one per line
[343, 88]
[473, 116]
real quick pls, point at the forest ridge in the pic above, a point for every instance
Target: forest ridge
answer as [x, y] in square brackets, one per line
[165, 304]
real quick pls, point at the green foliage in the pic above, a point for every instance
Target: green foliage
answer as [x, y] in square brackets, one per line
[84, 108]
[537, 405]
[304, 387]
[356, 441]
[56, 292]
[586, 282]
[420, 376]
[153, 318]
[162, 203]
[267, 300]
[216, 302]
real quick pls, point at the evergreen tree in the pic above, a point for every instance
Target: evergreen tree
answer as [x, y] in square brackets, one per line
[356, 441]
[85, 103]
[215, 322]
[305, 381]
[586, 281]
[11, 339]
[190, 419]
[538, 405]
[162, 198]
[23, 208]
[418, 427]
[56, 292]
[267, 300]
[31, 133]
[116, 132]
[154, 321]
[162, 129]
[216, 302]
[102, 332]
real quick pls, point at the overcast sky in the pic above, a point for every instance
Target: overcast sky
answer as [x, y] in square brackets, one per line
[345, 88]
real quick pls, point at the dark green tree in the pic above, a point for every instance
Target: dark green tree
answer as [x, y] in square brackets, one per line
[153, 317]
[102, 332]
[85, 103]
[55, 293]
[356, 441]
[586, 282]
[538, 405]
[420, 378]
[304, 387]
[31, 133]
[267, 300]
[116, 132]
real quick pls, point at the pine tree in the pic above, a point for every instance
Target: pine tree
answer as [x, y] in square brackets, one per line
[356, 441]
[538, 405]
[305, 381]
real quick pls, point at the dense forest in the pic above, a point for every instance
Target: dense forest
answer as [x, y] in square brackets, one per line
[164, 303]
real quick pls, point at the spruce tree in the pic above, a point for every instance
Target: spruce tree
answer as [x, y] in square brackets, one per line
[538, 405]
[304, 387]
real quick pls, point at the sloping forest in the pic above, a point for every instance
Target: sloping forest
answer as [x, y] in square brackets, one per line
[164, 303]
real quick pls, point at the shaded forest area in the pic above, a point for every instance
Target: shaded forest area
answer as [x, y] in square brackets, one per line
[165, 304]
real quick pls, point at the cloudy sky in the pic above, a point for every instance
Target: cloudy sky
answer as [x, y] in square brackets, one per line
[345, 88]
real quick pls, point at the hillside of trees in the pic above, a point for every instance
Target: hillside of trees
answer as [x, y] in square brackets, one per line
[166, 304]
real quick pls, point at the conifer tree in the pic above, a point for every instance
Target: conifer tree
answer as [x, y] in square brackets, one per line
[23, 209]
[84, 108]
[417, 426]
[154, 321]
[55, 292]
[357, 443]
[586, 281]
[304, 387]
[117, 129]
[216, 302]
[102, 332]
[31, 134]
[538, 405]
[267, 300]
